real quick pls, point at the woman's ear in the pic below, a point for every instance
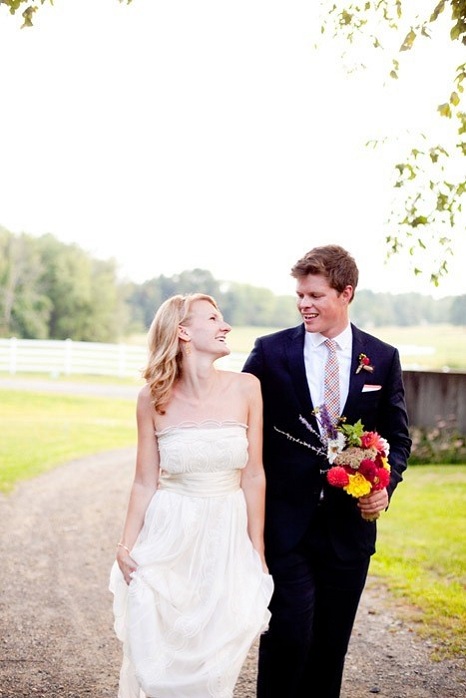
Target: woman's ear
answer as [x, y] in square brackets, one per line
[183, 333]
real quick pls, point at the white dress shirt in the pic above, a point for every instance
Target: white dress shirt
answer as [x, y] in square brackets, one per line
[315, 357]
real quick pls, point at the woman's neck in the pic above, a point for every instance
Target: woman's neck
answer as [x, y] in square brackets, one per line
[197, 383]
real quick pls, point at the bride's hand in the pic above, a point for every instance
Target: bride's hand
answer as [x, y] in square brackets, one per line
[126, 564]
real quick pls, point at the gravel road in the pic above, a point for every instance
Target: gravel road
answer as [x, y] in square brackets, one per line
[57, 543]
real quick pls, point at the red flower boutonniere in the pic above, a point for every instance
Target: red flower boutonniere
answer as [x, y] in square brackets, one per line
[364, 363]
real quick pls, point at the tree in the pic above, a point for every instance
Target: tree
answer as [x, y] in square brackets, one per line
[428, 205]
[50, 290]
[24, 309]
[30, 7]
[84, 294]
[144, 299]
[458, 311]
[107, 319]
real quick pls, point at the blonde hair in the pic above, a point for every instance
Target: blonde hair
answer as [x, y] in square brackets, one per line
[165, 359]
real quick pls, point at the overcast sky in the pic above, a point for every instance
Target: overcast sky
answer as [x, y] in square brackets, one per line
[203, 133]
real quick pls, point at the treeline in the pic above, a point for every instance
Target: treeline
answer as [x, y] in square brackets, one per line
[53, 290]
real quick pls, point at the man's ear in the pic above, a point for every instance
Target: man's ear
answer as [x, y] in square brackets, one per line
[347, 293]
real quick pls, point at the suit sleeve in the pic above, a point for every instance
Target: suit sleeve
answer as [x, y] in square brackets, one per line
[255, 362]
[392, 422]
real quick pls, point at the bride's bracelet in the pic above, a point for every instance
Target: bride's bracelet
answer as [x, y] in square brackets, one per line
[120, 545]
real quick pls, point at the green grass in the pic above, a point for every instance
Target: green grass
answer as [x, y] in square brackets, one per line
[74, 378]
[447, 341]
[422, 553]
[40, 431]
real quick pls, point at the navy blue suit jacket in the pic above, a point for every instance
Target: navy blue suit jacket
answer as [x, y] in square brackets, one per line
[293, 472]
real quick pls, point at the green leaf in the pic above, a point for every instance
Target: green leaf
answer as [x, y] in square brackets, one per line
[437, 10]
[419, 220]
[353, 432]
[455, 32]
[444, 110]
[408, 41]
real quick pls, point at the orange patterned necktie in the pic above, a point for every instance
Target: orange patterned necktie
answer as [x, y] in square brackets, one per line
[332, 382]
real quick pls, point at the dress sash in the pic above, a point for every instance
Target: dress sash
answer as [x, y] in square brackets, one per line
[215, 484]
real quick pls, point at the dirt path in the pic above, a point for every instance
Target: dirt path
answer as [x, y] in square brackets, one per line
[58, 535]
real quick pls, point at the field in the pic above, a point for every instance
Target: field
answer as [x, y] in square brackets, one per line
[428, 347]
[40, 431]
[422, 552]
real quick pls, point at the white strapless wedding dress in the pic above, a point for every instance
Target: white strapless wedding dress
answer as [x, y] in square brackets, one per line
[199, 597]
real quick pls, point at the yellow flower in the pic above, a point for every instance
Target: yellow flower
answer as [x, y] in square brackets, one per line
[385, 463]
[358, 486]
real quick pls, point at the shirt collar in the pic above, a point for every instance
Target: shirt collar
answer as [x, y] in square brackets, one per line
[343, 340]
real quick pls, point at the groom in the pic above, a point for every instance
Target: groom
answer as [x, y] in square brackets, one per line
[318, 545]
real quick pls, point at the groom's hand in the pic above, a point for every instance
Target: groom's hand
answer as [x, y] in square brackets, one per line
[373, 503]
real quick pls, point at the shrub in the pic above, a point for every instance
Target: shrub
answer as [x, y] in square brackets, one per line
[441, 444]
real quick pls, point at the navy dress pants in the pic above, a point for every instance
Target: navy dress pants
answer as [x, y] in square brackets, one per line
[313, 608]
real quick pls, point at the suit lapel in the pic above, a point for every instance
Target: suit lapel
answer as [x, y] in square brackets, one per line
[357, 380]
[295, 357]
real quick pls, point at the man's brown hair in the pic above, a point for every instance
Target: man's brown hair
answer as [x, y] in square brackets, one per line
[331, 261]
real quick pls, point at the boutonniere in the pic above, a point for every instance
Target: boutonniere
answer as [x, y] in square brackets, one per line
[364, 363]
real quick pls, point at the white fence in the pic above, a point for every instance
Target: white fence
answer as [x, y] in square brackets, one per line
[67, 358]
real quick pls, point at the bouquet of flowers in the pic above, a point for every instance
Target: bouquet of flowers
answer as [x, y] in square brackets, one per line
[358, 459]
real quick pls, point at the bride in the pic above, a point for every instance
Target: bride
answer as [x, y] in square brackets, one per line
[190, 583]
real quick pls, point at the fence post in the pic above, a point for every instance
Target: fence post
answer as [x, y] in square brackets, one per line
[121, 360]
[68, 358]
[13, 355]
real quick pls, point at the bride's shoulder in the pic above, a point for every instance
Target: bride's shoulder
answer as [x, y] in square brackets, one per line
[243, 381]
[145, 399]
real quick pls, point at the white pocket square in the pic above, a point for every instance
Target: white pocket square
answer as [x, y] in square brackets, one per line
[368, 388]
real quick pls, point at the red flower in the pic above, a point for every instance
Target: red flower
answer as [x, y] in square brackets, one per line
[364, 363]
[368, 469]
[382, 479]
[370, 439]
[337, 476]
